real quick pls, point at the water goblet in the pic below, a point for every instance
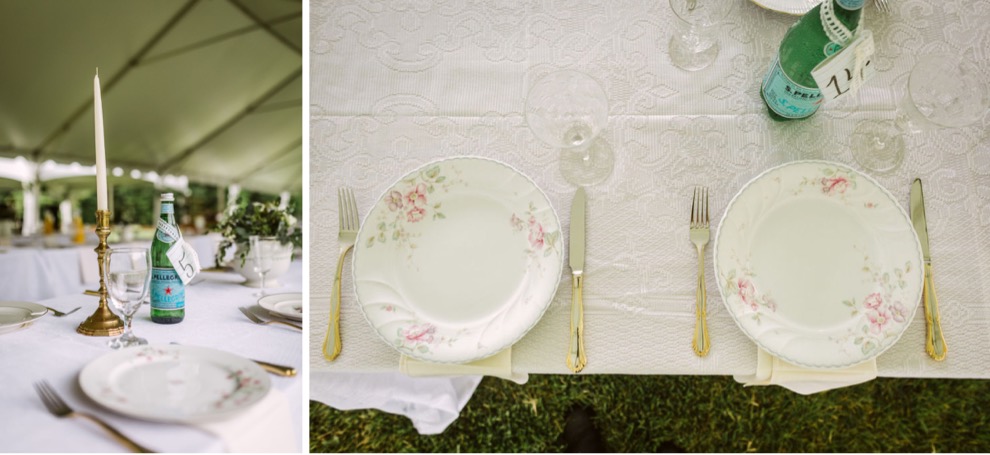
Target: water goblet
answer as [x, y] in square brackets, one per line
[127, 272]
[943, 92]
[694, 45]
[568, 110]
[261, 252]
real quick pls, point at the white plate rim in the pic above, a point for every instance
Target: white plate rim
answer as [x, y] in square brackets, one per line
[916, 300]
[778, 6]
[265, 302]
[546, 305]
[90, 381]
[37, 311]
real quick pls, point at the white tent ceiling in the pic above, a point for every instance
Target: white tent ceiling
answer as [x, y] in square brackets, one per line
[208, 89]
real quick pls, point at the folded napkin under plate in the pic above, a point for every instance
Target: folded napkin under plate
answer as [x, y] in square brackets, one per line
[771, 370]
[498, 365]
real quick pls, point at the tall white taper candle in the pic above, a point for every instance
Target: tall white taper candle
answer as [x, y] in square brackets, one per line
[101, 154]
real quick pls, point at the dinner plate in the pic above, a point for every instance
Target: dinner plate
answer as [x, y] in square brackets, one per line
[458, 260]
[288, 304]
[18, 315]
[174, 383]
[793, 7]
[818, 264]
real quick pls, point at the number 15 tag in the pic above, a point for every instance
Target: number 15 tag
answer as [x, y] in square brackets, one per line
[184, 260]
[846, 71]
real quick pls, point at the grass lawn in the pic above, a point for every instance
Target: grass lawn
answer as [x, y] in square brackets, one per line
[698, 413]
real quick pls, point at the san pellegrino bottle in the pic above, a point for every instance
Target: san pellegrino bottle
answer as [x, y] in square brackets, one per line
[789, 90]
[168, 293]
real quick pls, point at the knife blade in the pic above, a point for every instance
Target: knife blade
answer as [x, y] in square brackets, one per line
[934, 340]
[576, 359]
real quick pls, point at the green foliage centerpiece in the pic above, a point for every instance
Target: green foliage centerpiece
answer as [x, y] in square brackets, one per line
[264, 219]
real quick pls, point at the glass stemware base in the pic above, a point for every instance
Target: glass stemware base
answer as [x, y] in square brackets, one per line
[692, 53]
[878, 146]
[588, 166]
[126, 340]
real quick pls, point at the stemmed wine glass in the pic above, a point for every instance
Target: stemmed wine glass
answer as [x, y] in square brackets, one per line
[127, 272]
[694, 45]
[568, 109]
[943, 91]
[261, 252]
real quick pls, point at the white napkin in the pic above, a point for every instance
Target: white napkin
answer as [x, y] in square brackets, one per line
[771, 370]
[89, 268]
[432, 404]
[498, 365]
[265, 427]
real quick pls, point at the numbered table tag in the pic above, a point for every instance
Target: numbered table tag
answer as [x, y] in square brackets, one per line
[846, 71]
[184, 260]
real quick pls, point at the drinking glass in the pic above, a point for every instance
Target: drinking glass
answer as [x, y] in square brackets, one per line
[261, 252]
[568, 110]
[127, 272]
[694, 45]
[943, 92]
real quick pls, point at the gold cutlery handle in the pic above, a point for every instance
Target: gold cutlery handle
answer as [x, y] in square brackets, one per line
[279, 370]
[934, 341]
[700, 342]
[576, 359]
[333, 328]
[133, 446]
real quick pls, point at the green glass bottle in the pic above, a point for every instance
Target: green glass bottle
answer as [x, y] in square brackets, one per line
[789, 90]
[168, 293]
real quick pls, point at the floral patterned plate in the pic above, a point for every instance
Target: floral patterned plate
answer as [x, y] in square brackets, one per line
[818, 264]
[458, 260]
[173, 383]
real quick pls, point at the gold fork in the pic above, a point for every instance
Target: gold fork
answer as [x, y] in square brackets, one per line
[699, 237]
[348, 213]
[881, 5]
[255, 319]
[60, 409]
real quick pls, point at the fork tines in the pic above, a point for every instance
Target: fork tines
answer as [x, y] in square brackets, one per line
[347, 208]
[881, 5]
[699, 207]
[51, 399]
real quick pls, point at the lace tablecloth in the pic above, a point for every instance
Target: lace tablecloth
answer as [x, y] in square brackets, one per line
[398, 84]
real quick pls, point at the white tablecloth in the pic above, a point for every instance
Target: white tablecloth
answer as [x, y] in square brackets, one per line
[32, 274]
[396, 85]
[50, 349]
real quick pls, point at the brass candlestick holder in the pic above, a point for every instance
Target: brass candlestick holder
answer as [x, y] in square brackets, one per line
[102, 323]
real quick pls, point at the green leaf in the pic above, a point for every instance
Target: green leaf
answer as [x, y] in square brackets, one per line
[423, 349]
[440, 216]
[381, 226]
[433, 172]
[371, 242]
[395, 235]
[858, 340]
[441, 179]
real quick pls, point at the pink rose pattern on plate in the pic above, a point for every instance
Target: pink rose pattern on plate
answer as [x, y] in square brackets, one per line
[833, 182]
[882, 309]
[540, 241]
[411, 202]
[742, 287]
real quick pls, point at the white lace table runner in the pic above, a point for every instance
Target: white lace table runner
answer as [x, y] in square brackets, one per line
[397, 84]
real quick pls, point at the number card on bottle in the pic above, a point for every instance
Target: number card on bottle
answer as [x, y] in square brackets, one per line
[846, 71]
[184, 260]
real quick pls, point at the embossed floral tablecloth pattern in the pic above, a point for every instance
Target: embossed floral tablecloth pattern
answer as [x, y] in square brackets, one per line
[398, 84]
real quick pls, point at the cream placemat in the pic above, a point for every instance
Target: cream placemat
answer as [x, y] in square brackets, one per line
[498, 365]
[771, 370]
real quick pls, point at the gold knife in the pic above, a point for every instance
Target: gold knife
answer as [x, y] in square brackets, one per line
[934, 340]
[576, 359]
